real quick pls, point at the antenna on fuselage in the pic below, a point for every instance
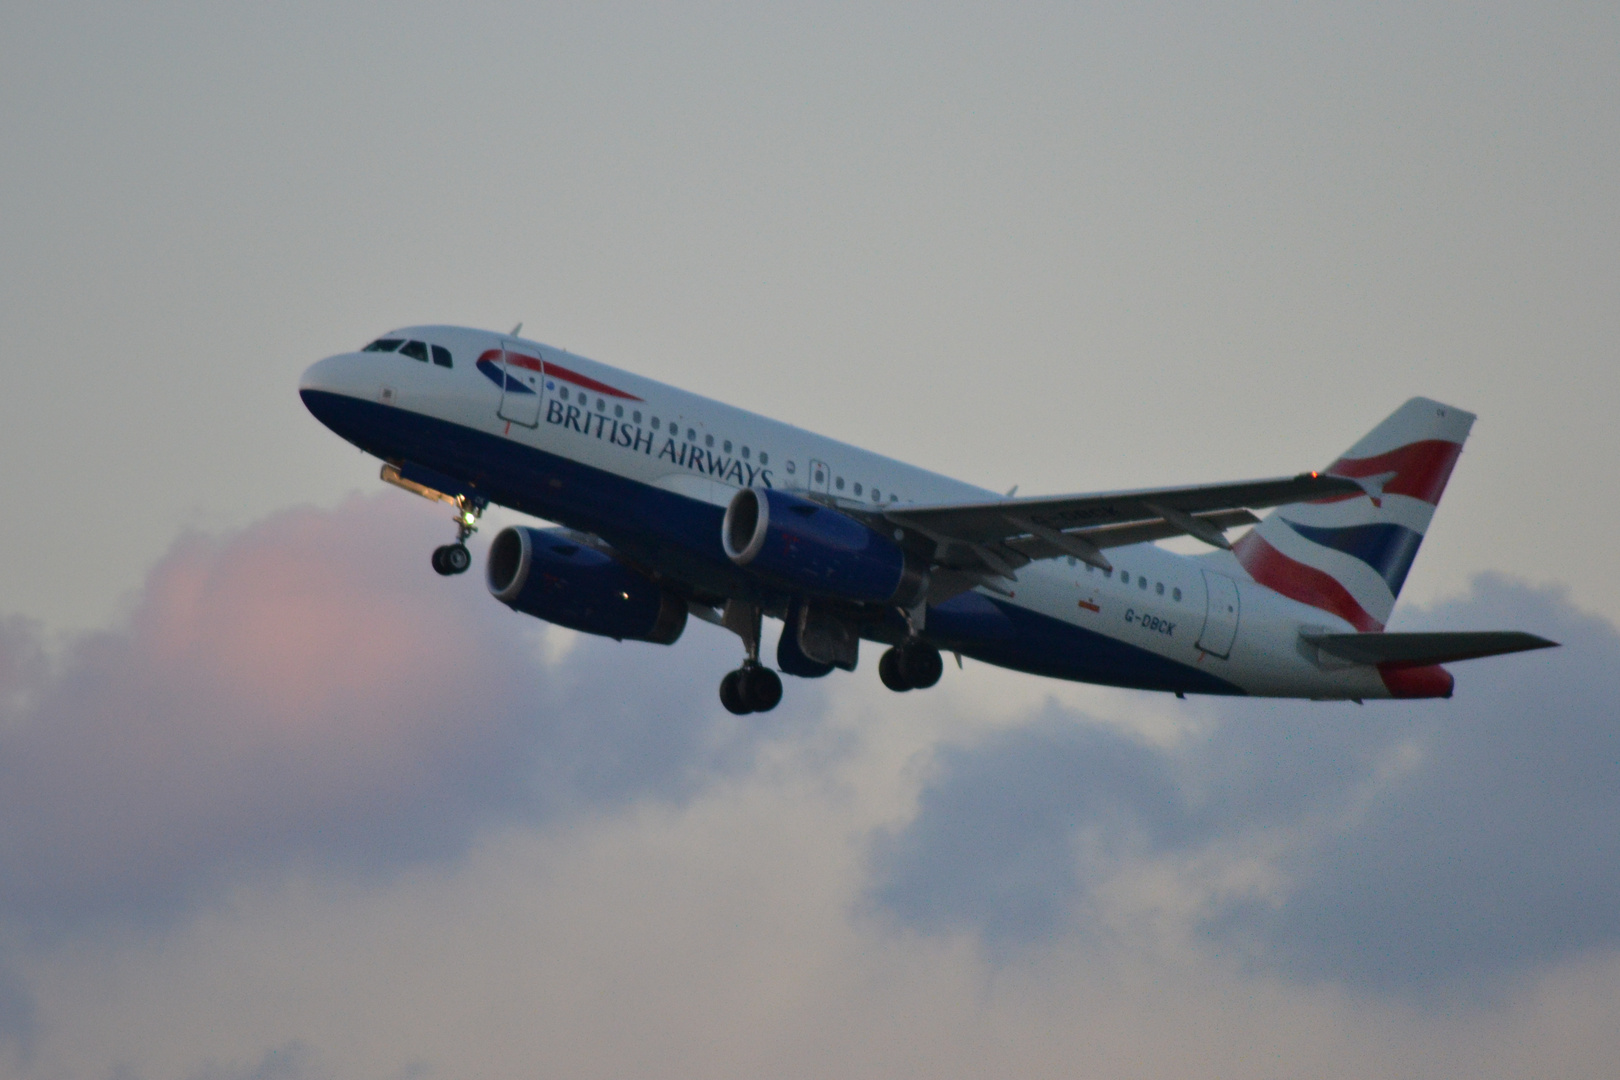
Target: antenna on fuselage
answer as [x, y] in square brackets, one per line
[515, 330]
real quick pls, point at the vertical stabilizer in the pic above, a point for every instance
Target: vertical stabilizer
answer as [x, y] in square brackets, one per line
[1350, 555]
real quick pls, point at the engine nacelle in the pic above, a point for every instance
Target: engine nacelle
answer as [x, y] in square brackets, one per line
[816, 550]
[541, 572]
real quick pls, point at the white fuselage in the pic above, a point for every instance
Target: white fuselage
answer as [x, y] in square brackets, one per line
[621, 426]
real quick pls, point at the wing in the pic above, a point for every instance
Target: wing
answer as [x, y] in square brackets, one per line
[1415, 650]
[978, 541]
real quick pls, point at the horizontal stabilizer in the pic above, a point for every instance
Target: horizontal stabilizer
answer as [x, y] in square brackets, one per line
[1417, 650]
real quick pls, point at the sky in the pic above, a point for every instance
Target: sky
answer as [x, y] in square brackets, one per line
[276, 802]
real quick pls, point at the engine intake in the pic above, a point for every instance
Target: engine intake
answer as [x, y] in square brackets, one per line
[541, 572]
[818, 551]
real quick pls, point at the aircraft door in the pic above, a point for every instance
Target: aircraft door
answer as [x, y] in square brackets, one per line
[820, 477]
[523, 392]
[1220, 615]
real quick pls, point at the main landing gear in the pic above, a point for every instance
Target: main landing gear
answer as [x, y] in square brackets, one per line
[451, 559]
[911, 665]
[752, 687]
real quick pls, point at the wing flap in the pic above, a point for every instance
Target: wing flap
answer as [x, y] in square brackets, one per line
[1421, 649]
[987, 522]
[996, 538]
[1132, 532]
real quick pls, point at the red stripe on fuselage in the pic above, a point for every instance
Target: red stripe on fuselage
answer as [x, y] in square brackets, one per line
[584, 382]
[1295, 580]
[1421, 469]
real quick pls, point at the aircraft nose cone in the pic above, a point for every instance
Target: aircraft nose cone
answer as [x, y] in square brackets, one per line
[335, 388]
[335, 374]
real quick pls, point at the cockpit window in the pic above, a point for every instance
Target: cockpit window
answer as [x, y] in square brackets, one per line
[415, 350]
[441, 356]
[387, 344]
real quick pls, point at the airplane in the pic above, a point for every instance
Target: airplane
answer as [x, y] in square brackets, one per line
[668, 505]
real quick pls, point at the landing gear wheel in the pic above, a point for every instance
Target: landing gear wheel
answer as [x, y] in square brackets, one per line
[451, 559]
[911, 665]
[889, 672]
[920, 664]
[761, 688]
[731, 694]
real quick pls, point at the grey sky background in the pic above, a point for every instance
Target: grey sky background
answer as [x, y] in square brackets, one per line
[277, 802]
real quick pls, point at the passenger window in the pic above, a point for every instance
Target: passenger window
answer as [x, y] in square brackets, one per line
[875, 496]
[601, 406]
[655, 423]
[618, 412]
[415, 350]
[840, 483]
[441, 356]
[1159, 588]
[792, 468]
[726, 446]
[1142, 581]
[691, 435]
[1176, 595]
[764, 458]
[857, 489]
[708, 440]
[563, 393]
[745, 453]
[384, 345]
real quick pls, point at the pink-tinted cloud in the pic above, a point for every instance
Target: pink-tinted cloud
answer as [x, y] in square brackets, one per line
[309, 689]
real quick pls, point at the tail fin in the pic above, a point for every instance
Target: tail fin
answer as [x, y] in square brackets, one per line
[1349, 555]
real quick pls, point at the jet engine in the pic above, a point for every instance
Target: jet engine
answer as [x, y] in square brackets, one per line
[544, 573]
[818, 551]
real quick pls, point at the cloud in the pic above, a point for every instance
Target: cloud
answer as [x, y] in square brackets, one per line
[992, 848]
[1414, 848]
[306, 690]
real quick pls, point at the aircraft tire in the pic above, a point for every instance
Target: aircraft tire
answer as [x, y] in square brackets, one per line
[440, 566]
[889, 671]
[761, 688]
[920, 664]
[457, 558]
[731, 694]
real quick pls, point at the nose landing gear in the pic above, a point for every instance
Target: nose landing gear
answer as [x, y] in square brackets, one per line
[451, 559]
[911, 665]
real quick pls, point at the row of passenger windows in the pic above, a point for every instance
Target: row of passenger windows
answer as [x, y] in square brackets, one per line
[416, 350]
[419, 350]
[877, 496]
[726, 446]
[1125, 579]
[584, 399]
